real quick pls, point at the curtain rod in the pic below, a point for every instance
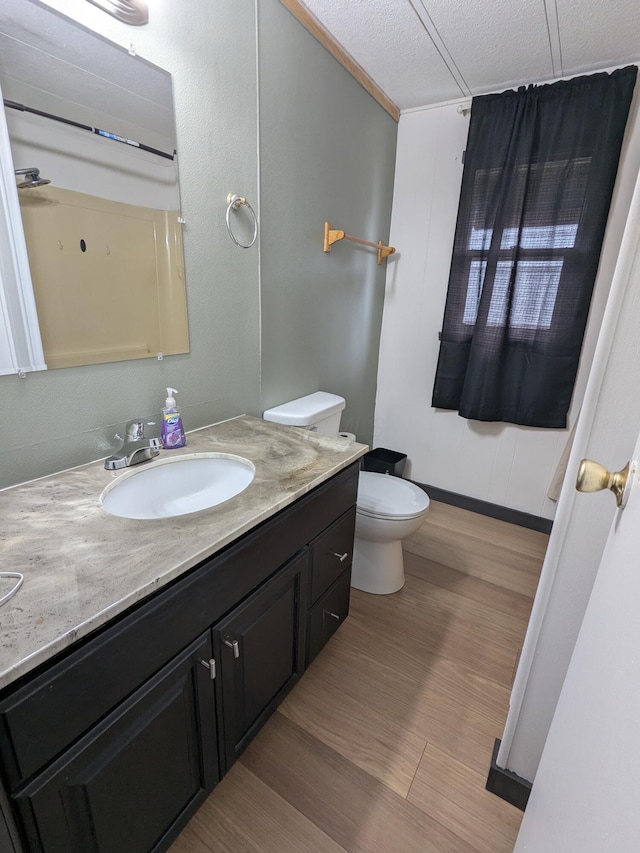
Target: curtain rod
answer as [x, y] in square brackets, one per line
[14, 105]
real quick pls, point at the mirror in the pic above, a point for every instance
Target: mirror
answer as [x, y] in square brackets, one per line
[103, 234]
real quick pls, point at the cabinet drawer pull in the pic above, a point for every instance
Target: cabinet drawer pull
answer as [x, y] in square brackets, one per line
[233, 644]
[341, 557]
[333, 615]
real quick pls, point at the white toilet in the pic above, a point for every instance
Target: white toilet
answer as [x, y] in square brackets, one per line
[388, 508]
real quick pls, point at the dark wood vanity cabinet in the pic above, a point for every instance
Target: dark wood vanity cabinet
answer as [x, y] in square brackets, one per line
[113, 745]
[128, 782]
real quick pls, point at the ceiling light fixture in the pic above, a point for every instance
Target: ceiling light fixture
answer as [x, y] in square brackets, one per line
[134, 12]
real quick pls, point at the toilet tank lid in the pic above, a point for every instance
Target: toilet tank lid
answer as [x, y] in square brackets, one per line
[306, 410]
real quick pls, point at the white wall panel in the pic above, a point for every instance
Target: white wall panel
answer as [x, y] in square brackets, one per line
[439, 453]
[477, 459]
[532, 469]
[500, 463]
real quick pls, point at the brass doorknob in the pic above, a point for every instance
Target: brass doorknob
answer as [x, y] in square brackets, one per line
[593, 477]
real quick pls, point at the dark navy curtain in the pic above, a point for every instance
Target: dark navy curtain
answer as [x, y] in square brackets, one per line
[539, 171]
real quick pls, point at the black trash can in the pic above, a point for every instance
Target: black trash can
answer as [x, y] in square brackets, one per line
[383, 461]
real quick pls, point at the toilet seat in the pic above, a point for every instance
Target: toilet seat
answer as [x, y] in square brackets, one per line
[387, 497]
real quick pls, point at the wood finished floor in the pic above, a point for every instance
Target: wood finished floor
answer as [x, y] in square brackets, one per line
[385, 743]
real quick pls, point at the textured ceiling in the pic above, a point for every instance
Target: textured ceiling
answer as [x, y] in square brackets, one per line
[426, 51]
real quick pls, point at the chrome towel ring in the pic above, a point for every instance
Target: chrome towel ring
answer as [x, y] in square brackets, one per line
[16, 586]
[235, 202]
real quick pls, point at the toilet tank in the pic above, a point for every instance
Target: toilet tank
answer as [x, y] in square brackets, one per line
[319, 412]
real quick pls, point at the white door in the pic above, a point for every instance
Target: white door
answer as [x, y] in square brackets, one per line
[586, 795]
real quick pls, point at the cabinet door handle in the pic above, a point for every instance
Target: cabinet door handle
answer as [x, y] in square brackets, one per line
[333, 615]
[233, 644]
[341, 557]
[211, 666]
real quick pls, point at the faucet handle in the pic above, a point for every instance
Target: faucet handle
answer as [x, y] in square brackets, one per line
[135, 429]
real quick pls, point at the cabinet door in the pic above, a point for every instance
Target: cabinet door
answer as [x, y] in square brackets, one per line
[132, 781]
[6, 843]
[260, 651]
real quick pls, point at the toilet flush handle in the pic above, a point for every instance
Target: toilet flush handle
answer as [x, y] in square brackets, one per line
[341, 557]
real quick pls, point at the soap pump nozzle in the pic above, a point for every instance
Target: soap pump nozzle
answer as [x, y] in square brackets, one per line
[170, 402]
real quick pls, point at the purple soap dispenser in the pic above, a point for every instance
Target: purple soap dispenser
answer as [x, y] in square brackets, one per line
[172, 430]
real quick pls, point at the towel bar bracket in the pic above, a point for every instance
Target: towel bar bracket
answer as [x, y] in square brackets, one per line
[334, 235]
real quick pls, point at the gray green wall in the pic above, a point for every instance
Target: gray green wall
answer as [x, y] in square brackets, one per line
[304, 144]
[327, 152]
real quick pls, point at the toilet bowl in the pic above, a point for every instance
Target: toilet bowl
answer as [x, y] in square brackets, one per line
[388, 508]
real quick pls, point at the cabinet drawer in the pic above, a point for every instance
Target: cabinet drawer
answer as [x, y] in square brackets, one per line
[331, 553]
[328, 614]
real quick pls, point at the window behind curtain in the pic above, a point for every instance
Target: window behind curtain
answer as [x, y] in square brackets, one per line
[539, 172]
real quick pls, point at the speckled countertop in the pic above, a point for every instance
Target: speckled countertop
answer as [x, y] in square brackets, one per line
[82, 566]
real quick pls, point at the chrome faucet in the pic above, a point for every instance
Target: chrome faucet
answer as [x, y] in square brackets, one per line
[135, 447]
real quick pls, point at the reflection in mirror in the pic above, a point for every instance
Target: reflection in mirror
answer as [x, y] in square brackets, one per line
[92, 137]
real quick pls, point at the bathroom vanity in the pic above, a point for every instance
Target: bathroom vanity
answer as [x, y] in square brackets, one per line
[112, 742]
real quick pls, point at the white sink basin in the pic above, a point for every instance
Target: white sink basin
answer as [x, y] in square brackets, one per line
[170, 487]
